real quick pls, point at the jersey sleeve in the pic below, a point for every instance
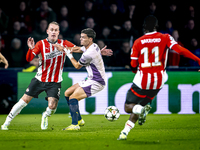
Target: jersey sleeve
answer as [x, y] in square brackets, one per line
[170, 41]
[33, 52]
[135, 51]
[85, 59]
[134, 55]
[186, 53]
[68, 44]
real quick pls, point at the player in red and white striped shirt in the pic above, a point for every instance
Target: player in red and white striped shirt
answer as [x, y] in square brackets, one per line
[49, 75]
[51, 60]
[148, 61]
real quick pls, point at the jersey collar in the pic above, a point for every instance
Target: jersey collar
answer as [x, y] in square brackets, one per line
[51, 42]
[149, 33]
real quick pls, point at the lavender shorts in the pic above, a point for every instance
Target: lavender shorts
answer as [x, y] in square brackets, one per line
[91, 87]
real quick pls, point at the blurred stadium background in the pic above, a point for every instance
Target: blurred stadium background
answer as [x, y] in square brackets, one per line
[117, 23]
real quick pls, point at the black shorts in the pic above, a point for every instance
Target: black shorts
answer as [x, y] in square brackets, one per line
[52, 89]
[135, 95]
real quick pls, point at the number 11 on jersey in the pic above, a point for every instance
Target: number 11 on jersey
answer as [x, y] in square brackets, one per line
[154, 51]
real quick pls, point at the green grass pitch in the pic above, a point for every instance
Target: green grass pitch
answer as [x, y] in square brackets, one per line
[160, 132]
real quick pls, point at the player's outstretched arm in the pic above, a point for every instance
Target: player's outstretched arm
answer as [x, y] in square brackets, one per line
[106, 52]
[3, 60]
[61, 48]
[76, 64]
[69, 55]
[186, 53]
[76, 49]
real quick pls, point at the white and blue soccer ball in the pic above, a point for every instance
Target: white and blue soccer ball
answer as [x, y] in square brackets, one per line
[112, 113]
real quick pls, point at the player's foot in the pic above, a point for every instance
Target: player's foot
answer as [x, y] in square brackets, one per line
[142, 116]
[122, 136]
[44, 123]
[81, 122]
[72, 127]
[4, 127]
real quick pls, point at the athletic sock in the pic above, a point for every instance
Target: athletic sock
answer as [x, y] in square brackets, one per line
[67, 98]
[79, 115]
[49, 112]
[137, 109]
[16, 109]
[128, 126]
[73, 106]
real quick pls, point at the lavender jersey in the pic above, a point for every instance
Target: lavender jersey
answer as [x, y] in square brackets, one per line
[92, 60]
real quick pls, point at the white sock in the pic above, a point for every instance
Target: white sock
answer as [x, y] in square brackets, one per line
[49, 112]
[128, 126]
[15, 111]
[137, 109]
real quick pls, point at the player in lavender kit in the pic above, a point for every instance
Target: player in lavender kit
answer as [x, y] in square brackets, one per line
[92, 60]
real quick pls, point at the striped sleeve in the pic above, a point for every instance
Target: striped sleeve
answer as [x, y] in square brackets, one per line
[33, 52]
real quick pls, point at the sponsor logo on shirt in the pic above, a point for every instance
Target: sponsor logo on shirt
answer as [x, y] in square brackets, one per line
[53, 54]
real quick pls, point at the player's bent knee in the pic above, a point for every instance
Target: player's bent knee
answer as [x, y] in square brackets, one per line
[128, 108]
[67, 94]
[52, 106]
[26, 98]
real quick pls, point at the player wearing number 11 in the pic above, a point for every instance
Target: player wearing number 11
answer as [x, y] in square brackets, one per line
[148, 61]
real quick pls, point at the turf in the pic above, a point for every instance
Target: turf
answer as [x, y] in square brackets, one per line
[160, 132]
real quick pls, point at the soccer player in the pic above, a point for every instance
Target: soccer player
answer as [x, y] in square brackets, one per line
[48, 77]
[3, 60]
[96, 81]
[148, 61]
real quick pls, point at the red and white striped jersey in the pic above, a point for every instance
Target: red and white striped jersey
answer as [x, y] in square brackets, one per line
[151, 52]
[51, 60]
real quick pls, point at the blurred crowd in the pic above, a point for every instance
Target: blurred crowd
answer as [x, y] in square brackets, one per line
[118, 23]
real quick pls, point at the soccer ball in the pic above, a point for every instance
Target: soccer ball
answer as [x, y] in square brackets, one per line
[111, 113]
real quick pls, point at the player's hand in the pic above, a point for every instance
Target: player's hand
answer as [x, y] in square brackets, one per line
[59, 47]
[5, 62]
[106, 52]
[68, 52]
[31, 43]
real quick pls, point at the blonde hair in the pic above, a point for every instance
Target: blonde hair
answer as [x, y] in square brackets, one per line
[53, 22]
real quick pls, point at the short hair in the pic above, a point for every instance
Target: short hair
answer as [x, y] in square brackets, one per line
[89, 32]
[53, 22]
[150, 23]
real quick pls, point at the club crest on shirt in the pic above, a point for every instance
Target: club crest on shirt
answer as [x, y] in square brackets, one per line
[27, 90]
